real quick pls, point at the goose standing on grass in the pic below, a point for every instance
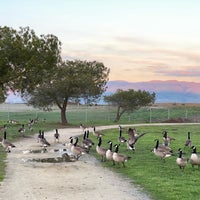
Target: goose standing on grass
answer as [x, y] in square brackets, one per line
[83, 128]
[6, 144]
[22, 129]
[167, 139]
[162, 151]
[86, 142]
[109, 153]
[181, 161]
[76, 150]
[100, 150]
[87, 136]
[56, 136]
[120, 158]
[188, 142]
[97, 133]
[121, 139]
[194, 158]
[3, 128]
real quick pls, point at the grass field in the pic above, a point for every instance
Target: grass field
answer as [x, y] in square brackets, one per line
[162, 180]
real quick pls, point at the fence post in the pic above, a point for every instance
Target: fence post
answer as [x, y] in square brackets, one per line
[150, 114]
[168, 114]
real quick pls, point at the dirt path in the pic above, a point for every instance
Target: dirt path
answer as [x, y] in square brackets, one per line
[82, 179]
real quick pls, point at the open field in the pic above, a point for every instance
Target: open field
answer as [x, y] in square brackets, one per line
[98, 115]
[144, 168]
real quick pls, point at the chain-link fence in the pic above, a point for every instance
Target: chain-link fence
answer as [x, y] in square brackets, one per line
[102, 114]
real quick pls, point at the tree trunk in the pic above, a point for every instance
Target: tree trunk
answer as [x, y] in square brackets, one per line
[63, 111]
[63, 116]
[119, 114]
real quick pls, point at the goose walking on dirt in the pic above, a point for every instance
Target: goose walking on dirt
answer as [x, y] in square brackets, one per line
[56, 136]
[76, 150]
[6, 144]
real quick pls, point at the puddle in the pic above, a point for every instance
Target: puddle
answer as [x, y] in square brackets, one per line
[64, 158]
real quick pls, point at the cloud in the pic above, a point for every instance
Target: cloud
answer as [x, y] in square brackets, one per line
[166, 71]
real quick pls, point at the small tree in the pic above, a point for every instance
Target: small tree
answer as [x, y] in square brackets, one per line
[71, 80]
[130, 100]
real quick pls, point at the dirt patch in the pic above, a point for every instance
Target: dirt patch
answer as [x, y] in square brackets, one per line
[82, 179]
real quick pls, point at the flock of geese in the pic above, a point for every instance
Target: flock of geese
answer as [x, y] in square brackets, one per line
[7, 145]
[79, 148]
[163, 151]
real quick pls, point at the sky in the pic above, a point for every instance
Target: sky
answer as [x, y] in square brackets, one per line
[139, 40]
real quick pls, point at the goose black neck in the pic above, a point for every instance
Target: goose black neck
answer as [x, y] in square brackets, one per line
[111, 146]
[116, 149]
[100, 141]
[194, 150]
[76, 142]
[120, 132]
[87, 134]
[5, 134]
[165, 134]
[188, 135]
[84, 136]
[157, 143]
[180, 154]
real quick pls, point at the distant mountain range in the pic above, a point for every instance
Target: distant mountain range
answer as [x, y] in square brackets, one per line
[171, 91]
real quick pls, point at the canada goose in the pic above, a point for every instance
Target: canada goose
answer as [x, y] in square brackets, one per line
[3, 128]
[39, 136]
[133, 138]
[56, 136]
[188, 142]
[109, 153]
[100, 150]
[69, 144]
[22, 129]
[30, 124]
[162, 151]
[121, 139]
[119, 158]
[87, 136]
[76, 150]
[6, 144]
[166, 139]
[122, 128]
[194, 158]
[11, 121]
[97, 133]
[86, 142]
[181, 161]
[83, 128]
[43, 140]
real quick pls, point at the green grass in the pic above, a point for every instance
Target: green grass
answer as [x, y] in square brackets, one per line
[162, 180]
